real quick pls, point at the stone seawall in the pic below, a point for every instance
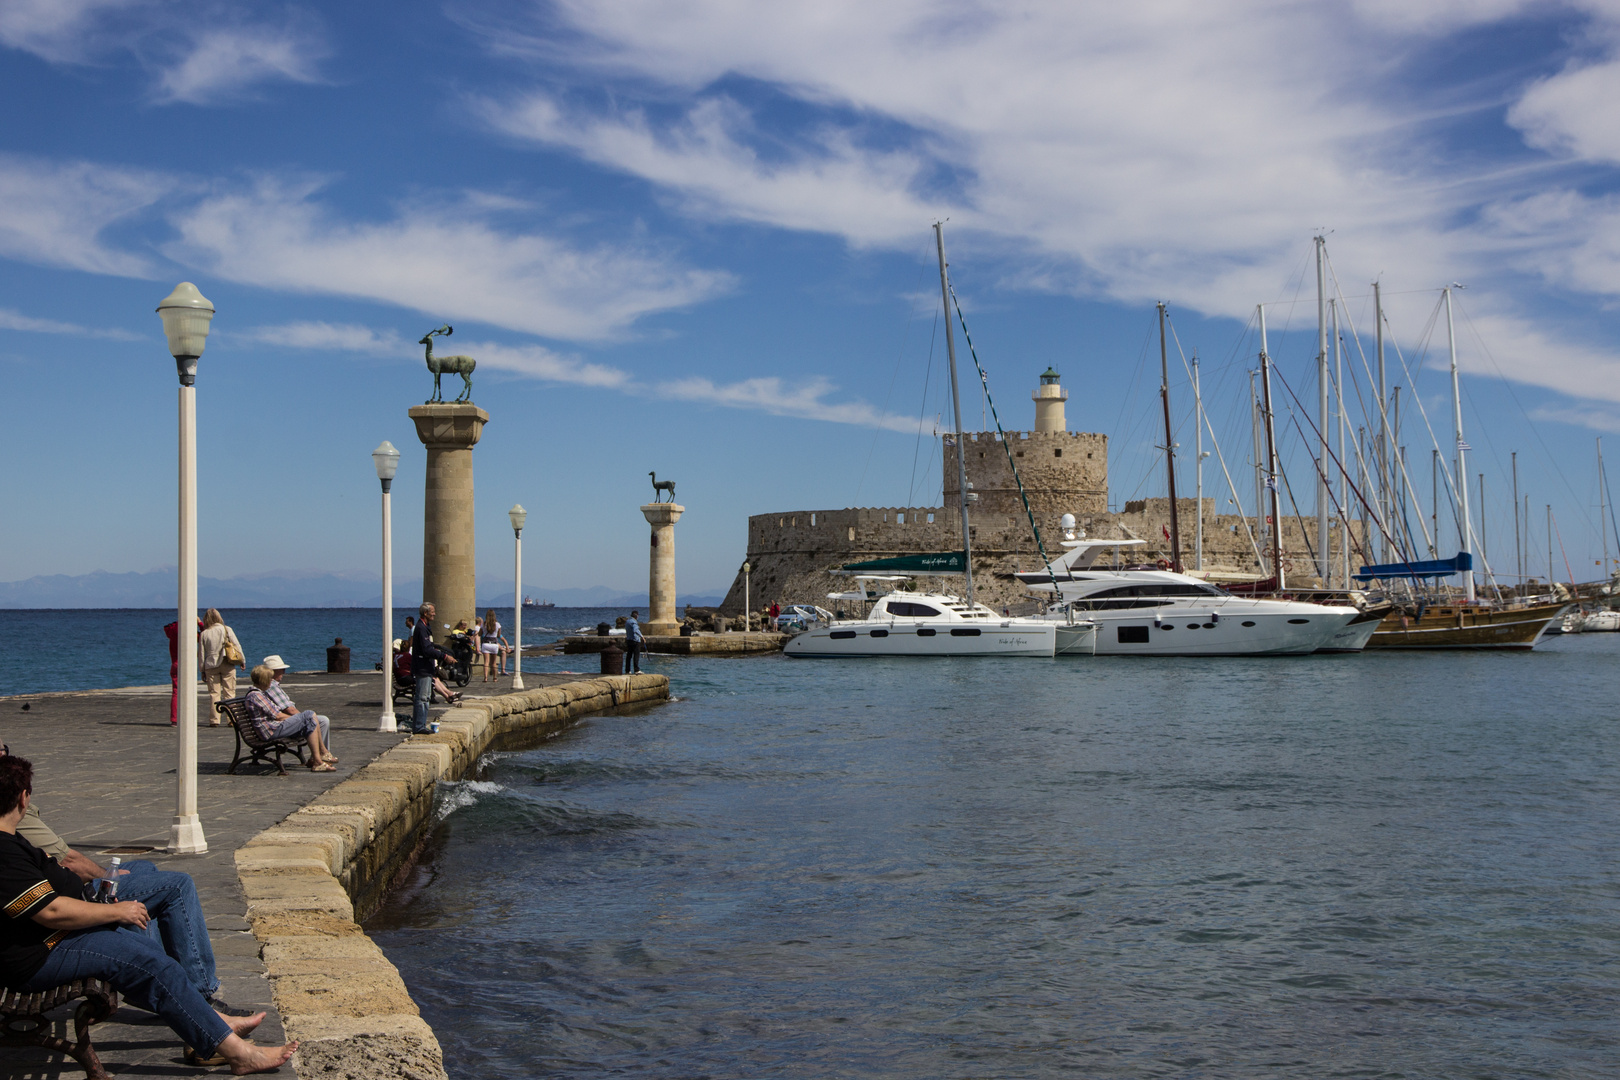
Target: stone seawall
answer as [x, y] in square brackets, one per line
[309, 879]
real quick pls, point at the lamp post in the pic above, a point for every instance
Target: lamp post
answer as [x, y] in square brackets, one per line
[186, 315]
[386, 458]
[518, 516]
[747, 613]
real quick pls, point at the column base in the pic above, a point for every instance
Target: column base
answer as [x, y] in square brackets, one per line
[661, 629]
[186, 836]
[388, 722]
[517, 681]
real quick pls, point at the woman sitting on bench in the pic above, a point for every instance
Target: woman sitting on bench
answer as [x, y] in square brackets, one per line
[289, 723]
[49, 938]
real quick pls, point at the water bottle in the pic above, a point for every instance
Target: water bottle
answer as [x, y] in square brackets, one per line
[109, 884]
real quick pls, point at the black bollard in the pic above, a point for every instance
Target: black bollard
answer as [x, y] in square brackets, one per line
[337, 658]
[612, 660]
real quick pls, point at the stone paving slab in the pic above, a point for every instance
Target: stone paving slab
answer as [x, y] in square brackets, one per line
[104, 777]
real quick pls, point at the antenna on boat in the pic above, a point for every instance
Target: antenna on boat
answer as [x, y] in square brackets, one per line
[956, 406]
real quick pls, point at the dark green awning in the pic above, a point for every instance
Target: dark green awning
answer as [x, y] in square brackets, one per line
[934, 562]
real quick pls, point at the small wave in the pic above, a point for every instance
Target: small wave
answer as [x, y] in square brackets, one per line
[456, 795]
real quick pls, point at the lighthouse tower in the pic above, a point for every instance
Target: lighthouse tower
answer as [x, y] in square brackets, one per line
[1049, 401]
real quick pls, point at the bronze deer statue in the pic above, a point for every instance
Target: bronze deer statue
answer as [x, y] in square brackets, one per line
[448, 365]
[660, 486]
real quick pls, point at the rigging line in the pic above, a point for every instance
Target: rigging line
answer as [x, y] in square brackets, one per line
[900, 355]
[1603, 478]
[923, 411]
[1215, 442]
[1321, 470]
[984, 383]
[1551, 458]
[1445, 467]
[1277, 525]
[1560, 534]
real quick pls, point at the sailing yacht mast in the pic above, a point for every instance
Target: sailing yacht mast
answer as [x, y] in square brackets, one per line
[1198, 462]
[956, 406]
[1322, 401]
[1603, 525]
[1467, 528]
[1259, 436]
[1344, 473]
[1385, 503]
[1271, 456]
[1169, 446]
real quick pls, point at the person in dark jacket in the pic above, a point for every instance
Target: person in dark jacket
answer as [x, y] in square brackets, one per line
[633, 644]
[424, 664]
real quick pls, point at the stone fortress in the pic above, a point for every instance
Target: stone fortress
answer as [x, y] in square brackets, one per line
[1064, 472]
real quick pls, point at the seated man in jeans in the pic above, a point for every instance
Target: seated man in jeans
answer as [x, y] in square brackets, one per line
[49, 937]
[177, 921]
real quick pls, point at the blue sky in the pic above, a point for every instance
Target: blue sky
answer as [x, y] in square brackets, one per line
[695, 237]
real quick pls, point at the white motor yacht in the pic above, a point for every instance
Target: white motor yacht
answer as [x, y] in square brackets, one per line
[1142, 611]
[932, 624]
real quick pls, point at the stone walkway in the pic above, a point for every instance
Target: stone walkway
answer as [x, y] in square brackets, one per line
[104, 768]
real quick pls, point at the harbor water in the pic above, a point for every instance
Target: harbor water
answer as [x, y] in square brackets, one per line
[1372, 865]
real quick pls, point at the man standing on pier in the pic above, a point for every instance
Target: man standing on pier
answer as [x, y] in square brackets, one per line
[425, 657]
[632, 645]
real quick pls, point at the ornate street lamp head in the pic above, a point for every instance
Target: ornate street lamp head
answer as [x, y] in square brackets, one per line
[518, 516]
[186, 315]
[386, 458]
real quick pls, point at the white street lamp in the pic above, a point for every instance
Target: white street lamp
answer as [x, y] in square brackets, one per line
[186, 315]
[747, 617]
[386, 458]
[518, 516]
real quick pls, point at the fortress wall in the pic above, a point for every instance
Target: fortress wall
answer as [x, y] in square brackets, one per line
[1064, 472]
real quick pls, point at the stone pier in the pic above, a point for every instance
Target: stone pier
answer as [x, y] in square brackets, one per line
[661, 568]
[449, 432]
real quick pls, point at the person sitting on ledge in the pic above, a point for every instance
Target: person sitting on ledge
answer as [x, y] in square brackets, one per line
[277, 722]
[177, 923]
[49, 938]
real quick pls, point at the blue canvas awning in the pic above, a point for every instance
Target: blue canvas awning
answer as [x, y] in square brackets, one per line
[1427, 568]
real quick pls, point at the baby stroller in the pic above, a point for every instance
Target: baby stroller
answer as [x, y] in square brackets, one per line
[458, 670]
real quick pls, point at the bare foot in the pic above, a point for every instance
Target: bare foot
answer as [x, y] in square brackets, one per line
[242, 1025]
[248, 1058]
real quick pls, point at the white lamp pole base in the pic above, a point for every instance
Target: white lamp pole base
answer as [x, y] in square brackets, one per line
[186, 836]
[388, 723]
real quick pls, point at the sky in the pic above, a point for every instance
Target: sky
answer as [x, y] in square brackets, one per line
[696, 238]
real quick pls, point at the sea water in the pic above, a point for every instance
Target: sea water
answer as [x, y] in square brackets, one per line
[74, 649]
[1384, 864]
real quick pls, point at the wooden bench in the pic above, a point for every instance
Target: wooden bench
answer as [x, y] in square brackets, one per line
[23, 1022]
[248, 739]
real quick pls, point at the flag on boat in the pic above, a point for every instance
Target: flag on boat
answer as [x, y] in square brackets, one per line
[1461, 445]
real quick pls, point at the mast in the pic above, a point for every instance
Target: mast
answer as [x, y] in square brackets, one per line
[1518, 547]
[1259, 469]
[1550, 578]
[1603, 526]
[1385, 502]
[1434, 504]
[1322, 408]
[1198, 459]
[1271, 456]
[956, 406]
[1344, 475]
[1467, 526]
[1169, 446]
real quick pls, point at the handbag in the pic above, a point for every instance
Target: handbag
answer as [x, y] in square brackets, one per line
[232, 653]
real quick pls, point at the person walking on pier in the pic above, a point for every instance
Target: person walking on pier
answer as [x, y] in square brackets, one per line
[633, 643]
[221, 655]
[424, 665]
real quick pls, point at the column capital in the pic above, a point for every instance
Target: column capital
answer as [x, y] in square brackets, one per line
[449, 426]
[659, 513]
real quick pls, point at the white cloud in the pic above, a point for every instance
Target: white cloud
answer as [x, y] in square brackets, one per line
[55, 30]
[443, 261]
[539, 362]
[222, 63]
[807, 401]
[344, 337]
[54, 213]
[16, 320]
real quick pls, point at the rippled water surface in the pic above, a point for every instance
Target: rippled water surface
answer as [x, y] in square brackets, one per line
[1373, 865]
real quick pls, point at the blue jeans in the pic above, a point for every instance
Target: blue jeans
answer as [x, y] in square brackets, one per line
[419, 711]
[178, 924]
[137, 968]
[302, 724]
[632, 658]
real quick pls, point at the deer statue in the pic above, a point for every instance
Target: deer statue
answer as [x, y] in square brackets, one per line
[448, 365]
[660, 486]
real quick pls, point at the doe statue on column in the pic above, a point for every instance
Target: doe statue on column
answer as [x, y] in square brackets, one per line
[662, 516]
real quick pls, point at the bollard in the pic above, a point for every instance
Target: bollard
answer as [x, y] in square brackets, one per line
[602, 629]
[612, 660]
[337, 658]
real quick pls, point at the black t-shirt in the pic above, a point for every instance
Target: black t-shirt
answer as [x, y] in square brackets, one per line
[29, 879]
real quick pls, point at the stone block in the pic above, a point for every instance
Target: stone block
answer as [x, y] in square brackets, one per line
[283, 857]
[367, 1048]
[278, 927]
[341, 993]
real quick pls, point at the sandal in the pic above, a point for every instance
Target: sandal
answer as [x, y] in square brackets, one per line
[322, 767]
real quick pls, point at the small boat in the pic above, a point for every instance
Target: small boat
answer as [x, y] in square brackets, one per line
[543, 605]
[1465, 626]
[930, 624]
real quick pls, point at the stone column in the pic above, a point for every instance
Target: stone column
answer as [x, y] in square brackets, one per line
[661, 568]
[449, 432]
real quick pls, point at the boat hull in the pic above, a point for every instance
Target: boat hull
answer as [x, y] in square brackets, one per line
[1359, 631]
[1024, 638]
[1194, 633]
[1466, 628]
[1077, 639]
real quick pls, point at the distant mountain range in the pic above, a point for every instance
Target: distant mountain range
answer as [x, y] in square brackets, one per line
[281, 589]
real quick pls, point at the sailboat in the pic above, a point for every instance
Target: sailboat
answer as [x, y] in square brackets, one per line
[901, 622]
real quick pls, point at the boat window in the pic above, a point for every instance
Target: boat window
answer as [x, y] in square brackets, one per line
[1167, 588]
[1247, 623]
[880, 633]
[1118, 605]
[926, 631]
[842, 634]
[1133, 635]
[915, 611]
[1297, 621]
[964, 631]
